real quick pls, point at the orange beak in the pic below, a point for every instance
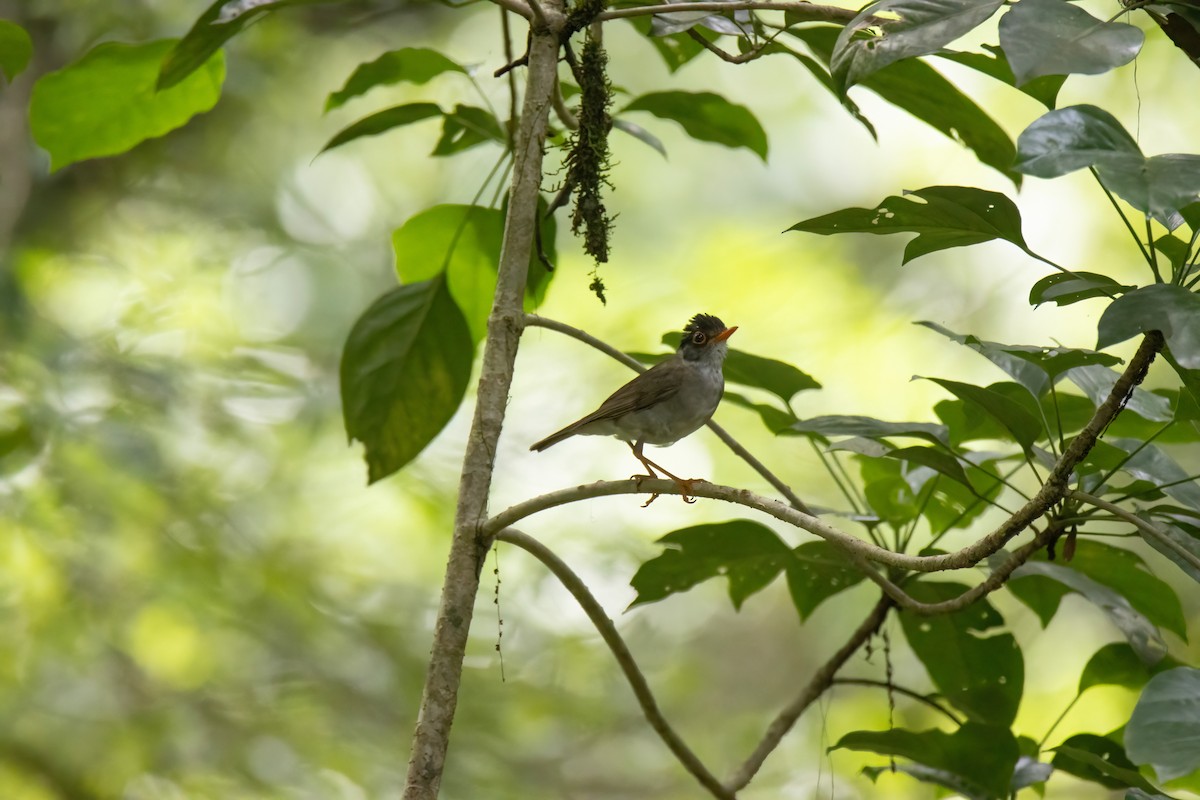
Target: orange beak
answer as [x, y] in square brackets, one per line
[725, 334]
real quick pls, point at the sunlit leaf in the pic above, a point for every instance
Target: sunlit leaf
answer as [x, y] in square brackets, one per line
[942, 217]
[1117, 664]
[707, 117]
[1065, 288]
[1050, 37]
[922, 27]
[818, 571]
[751, 555]
[981, 758]
[382, 121]
[1158, 307]
[975, 667]
[409, 64]
[404, 372]
[106, 102]
[1164, 729]
[16, 48]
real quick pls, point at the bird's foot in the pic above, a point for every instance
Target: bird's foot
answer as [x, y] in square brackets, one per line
[637, 479]
[685, 488]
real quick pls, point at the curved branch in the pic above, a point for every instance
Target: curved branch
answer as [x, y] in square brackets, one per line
[1146, 527]
[891, 687]
[518, 7]
[805, 12]
[608, 631]
[733, 444]
[820, 681]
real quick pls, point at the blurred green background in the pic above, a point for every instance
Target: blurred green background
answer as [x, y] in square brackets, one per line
[202, 598]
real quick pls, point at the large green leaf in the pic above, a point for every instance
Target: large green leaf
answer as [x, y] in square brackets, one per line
[1149, 463]
[382, 121]
[944, 217]
[16, 48]
[995, 64]
[818, 571]
[219, 23]
[1183, 545]
[1024, 427]
[975, 667]
[1164, 730]
[919, 89]
[707, 117]
[1097, 382]
[106, 102]
[750, 554]
[404, 372]
[465, 127]
[1081, 136]
[409, 64]
[922, 27]
[1117, 664]
[935, 459]
[1065, 288]
[1101, 760]
[980, 758]
[1052, 37]
[1158, 307]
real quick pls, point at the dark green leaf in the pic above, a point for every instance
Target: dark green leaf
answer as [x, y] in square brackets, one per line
[981, 757]
[1065, 288]
[675, 50]
[1149, 463]
[1043, 595]
[219, 23]
[818, 572]
[404, 371]
[1044, 90]
[751, 555]
[1100, 760]
[1159, 307]
[937, 460]
[382, 121]
[1097, 382]
[976, 668]
[1183, 545]
[889, 495]
[839, 425]
[776, 419]
[1117, 664]
[922, 27]
[948, 216]
[16, 48]
[466, 127]
[1125, 572]
[1024, 427]
[106, 103]
[707, 117]
[641, 134]
[1189, 377]
[1164, 730]
[1050, 37]
[409, 64]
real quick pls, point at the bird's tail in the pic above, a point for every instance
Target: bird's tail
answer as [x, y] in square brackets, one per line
[555, 438]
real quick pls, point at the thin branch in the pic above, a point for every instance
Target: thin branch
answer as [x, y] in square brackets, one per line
[634, 364]
[518, 7]
[1125, 219]
[1142, 525]
[920, 698]
[816, 686]
[730, 58]
[538, 15]
[608, 631]
[805, 12]
[565, 115]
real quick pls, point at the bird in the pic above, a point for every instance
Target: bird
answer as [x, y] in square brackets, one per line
[665, 403]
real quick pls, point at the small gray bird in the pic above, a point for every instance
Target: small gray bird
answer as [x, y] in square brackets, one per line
[666, 402]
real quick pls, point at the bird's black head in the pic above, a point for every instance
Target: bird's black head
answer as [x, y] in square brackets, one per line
[702, 332]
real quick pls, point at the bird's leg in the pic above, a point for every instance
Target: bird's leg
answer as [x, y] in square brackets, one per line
[685, 486]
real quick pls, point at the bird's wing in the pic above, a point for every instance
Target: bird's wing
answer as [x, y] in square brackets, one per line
[652, 386]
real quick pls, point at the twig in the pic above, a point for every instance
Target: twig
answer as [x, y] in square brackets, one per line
[1142, 525]
[608, 631]
[634, 364]
[820, 681]
[920, 698]
[565, 115]
[805, 12]
[518, 7]
[742, 58]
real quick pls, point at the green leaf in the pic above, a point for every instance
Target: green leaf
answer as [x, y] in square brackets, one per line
[1117, 664]
[1024, 427]
[975, 667]
[775, 419]
[1139, 631]
[417, 65]
[707, 117]
[16, 48]
[1164, 730]
[219, 23]
[1097, 382]
[777, 377]
[1183, 536]
[1050, 37]
[818, 571]
[945, 217]
[1081, 136]
[841, 425]
[1125, 572]
[995, 64]
[675, 50]
[641, 134]
[1149, 463]
[382, 121]
[1043, 595]
[980, 757]
[922, 27]
[1065, 288]
[404, 372]
[106, 103]
[937, 460]
[922, 91]
[1100, 760]
[1158, 307]
[751, 555]
[466, 127]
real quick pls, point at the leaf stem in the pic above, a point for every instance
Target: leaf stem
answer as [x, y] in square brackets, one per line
[1121, 214]
[1042, 742]
[1153, 253]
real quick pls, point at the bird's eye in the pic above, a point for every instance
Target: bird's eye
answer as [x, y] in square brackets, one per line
[699, 338]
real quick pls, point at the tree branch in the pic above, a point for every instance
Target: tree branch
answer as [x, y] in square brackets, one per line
[608, 631]
[518, 7]
[805, 12]
[440, 695]
[1146, 527]
[816, 686]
